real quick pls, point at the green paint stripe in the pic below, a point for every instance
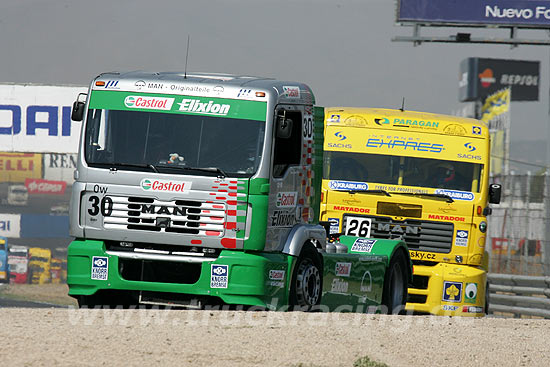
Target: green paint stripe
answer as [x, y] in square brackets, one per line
[178, 104]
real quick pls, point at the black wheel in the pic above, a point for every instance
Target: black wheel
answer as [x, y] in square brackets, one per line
[307, 281]
[394, 296]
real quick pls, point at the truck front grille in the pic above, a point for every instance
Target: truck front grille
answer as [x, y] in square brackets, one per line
[419, 235]
[177, 216]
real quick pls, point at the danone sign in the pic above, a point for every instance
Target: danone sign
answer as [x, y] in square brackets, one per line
[210, 106]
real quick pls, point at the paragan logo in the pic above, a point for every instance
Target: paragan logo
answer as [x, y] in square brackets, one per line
[381, 121]
[149, 103]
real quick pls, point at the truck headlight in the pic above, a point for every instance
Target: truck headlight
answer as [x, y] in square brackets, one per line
[483, 227]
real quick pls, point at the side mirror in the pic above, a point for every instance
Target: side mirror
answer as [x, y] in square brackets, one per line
[284, 127]
[77, 114]
[494, 193]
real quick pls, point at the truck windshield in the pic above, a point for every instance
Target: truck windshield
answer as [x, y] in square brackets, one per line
[145, 141]
[402, 170]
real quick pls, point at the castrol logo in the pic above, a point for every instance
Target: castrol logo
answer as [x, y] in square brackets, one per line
[152, 185]
[286, 199]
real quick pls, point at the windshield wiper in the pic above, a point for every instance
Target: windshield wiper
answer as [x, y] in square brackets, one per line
[367, 192]
[439, 196]
[219, 171]
[114, 166]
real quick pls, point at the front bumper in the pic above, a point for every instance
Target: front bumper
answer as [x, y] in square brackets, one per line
[248, 276]
[448, 289]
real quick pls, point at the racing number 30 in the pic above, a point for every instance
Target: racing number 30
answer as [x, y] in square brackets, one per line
[105, 206]
[308, 127]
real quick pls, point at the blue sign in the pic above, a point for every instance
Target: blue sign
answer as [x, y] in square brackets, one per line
[456, 195]
[347, 185]
[528, 13]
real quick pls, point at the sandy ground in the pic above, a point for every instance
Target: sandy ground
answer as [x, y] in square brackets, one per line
[67, 337]
[46, 293]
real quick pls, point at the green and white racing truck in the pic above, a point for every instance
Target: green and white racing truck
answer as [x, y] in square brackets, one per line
[205, 189]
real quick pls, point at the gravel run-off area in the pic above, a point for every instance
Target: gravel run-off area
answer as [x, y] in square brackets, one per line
[70, 337]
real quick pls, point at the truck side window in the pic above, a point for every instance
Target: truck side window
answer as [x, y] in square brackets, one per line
[288, 150]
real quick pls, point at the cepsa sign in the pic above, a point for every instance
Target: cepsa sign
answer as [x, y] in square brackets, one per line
[37, 118]
[38, 186]
[17, 167]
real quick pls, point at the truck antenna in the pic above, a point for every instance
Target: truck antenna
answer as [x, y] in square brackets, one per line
[186, 57]
[403, 105]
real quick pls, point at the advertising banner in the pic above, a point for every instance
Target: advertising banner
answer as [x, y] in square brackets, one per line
[10, 225]
[480, 77]
[37, 118]
[60, 167]
[17, 167]
[38, 186]
[496, 113]
[44, 226]
[521, 13]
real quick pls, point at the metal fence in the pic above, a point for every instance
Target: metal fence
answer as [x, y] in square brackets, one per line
[520, 295]
[518, 237]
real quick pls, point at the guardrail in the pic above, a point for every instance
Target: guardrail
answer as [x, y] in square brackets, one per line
[519, 295]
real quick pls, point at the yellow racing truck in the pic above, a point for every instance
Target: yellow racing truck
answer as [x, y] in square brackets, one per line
[39, 265]
[422, 178]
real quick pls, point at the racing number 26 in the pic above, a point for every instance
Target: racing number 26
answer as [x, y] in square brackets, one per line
[105, 206]
[357, 226]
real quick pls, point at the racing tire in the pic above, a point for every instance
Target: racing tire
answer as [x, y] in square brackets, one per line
[307, 281]
[395, 291]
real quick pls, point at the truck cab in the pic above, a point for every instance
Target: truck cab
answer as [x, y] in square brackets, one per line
[18, 259]
[4, 268]
[39, 265]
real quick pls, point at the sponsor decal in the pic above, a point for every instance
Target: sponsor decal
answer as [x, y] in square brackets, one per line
[100, 267]
[457, 195]
[334, 118]
[334, 225]
[517, 79]
[454, 129]
[339, 286]
[476, 130]
[204, 107]
[39, 186]
[469, 156]
[351, 209]
[340, 145]
[381, 121]
[218, 89]
[149, 103]
[149, 184]
[449, 308]
[461, 238]
[286, 199]
[111, 84]
[363, 245]
[405, 144]
[451, 218]
[140, 84]
[487, 78]
[291, 91]
[419, 255]
[472, 309]
[219, 276]
[366, 282]
[155, 85]
[277, 275]
[418, 123]
[190, 88]
[347, 185]
[340, 136]
[452, 291]
[244, 93]
[283, 218]
[470, 147]
[470, 293]
[343, 269]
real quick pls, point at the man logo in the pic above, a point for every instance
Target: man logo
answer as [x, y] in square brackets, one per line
[340, 136]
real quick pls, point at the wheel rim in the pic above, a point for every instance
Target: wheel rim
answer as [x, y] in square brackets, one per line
[397, 285]
[308, 284]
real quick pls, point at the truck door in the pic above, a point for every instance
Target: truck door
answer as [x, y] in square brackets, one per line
[291, 173]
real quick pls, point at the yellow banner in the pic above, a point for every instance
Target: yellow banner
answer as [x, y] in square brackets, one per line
[16, 167]
[495, 105]
[497, 152]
